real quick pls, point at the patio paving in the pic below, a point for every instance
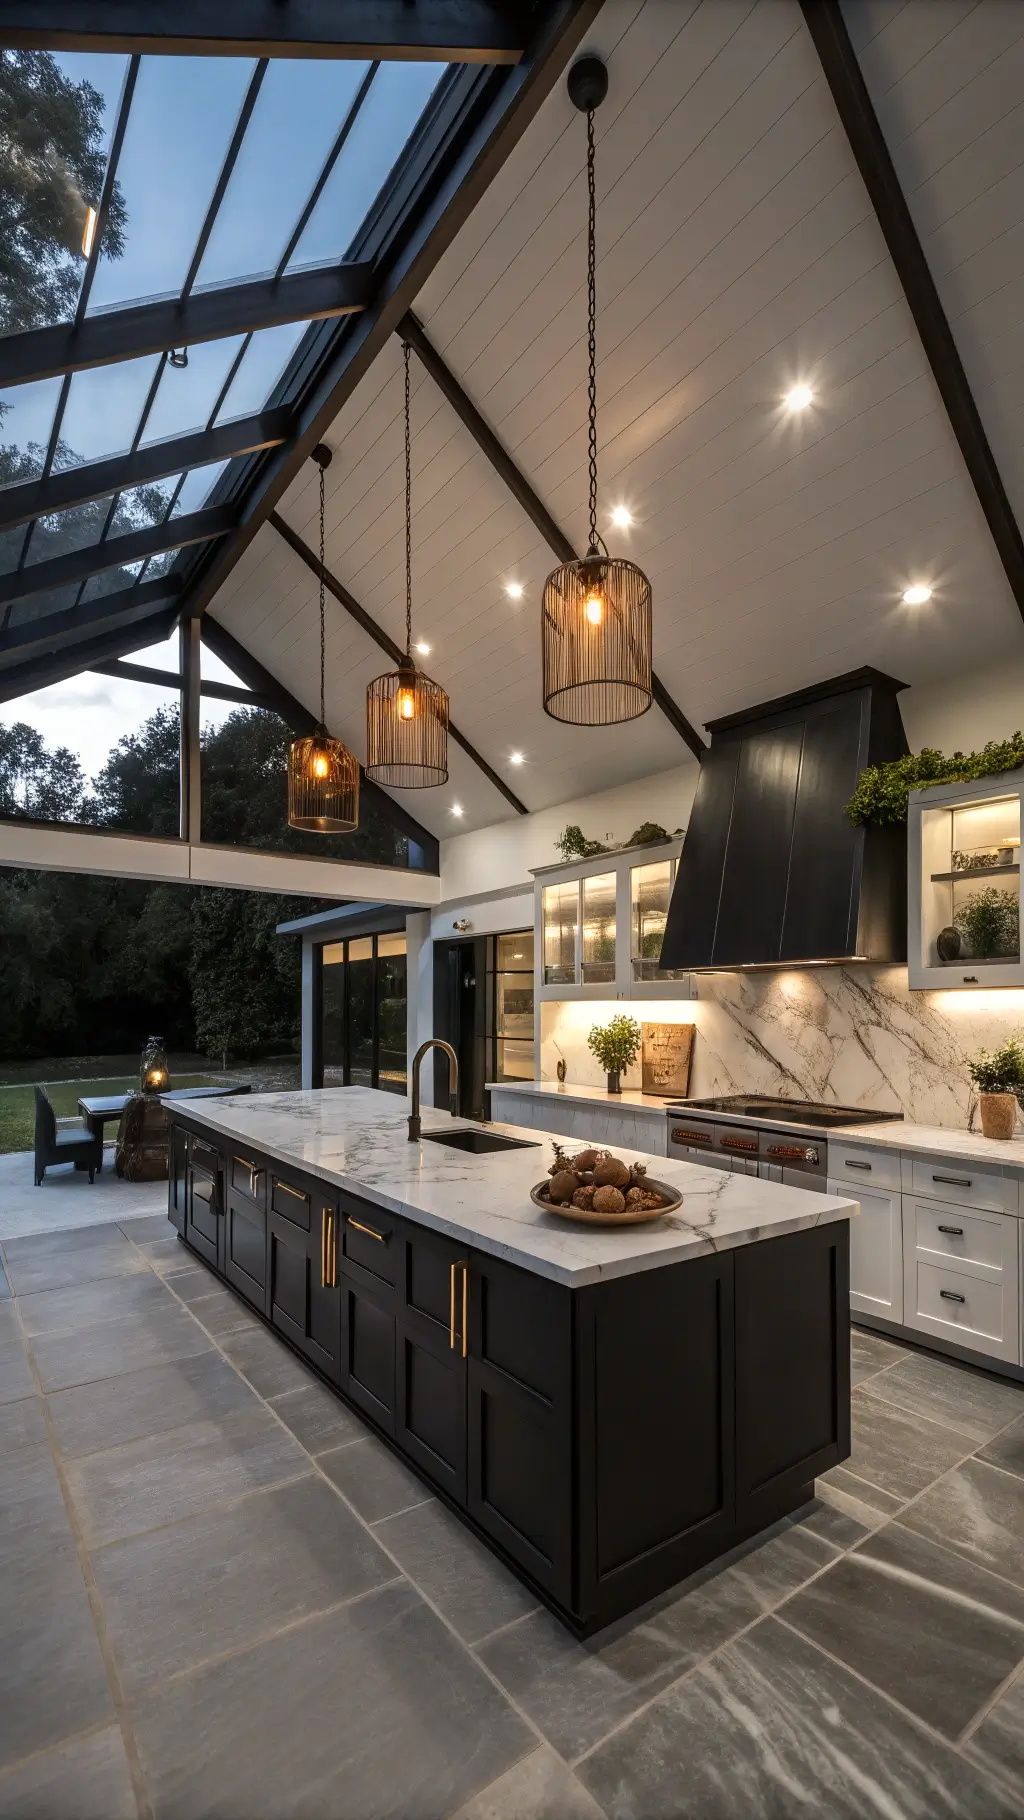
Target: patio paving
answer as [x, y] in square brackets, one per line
[66, 1197]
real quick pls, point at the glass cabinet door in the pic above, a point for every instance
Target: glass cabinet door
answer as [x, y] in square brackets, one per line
[561, 909]
[650, 888]
[970, 893]
[599, 930]
[513, 986]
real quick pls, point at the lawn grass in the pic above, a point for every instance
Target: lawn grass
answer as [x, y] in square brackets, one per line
[17, 1103]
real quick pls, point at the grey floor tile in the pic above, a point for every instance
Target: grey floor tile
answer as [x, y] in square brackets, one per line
[458, 1574]
[52, 1678]
[998, 1743]
[979, 1511]
[125, 1490]
[576, 1691]
[115, 1257]
[371, 1710]
[1007, 1449]
[63, 1359]
[9, 1325]
[66, 1238]
[146, 1227]
[5, 1287]
[22, 1424]
[168, 1257]
[868, 1504]
[221, 1312]
[969, 1402]
[870, 1353]
[226, 1578]
[927, 1627]
[16, 1380]
[86, 1779]
[375, 1483]
[899, 1452]
[775, 1568]
[772, 1730]
[33, 1516]
[317, 1418]
[834, 1524]
[114, 1410]
[541, 1787]
[83, 1305]
[196, 1281]
[265, 1361]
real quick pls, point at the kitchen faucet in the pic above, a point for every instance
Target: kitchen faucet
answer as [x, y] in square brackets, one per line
[433, 1042]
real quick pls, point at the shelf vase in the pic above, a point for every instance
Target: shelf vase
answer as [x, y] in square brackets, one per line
[614, 1080]
[998, 1114]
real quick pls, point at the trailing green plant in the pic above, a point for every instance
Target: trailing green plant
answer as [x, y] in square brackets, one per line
[646, 833]
[615, 1044]
[1002, 1071]
[882, 790]
[989, 923]
[572, 843]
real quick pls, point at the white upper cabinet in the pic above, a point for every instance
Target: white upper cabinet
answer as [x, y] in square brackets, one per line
[963, 884]
[600, 923]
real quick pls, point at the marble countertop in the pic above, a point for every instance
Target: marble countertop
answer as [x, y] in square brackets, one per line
[356, 1138]
[940, 1141]
[588, 1096]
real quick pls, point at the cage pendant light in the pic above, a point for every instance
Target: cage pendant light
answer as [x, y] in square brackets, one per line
[323, 775]
[406, 713]
[596, 619]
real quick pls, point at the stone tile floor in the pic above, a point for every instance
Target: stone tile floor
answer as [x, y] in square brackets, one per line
[223, 1597]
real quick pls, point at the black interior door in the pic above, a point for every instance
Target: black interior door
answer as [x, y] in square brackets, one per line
[460, 1017]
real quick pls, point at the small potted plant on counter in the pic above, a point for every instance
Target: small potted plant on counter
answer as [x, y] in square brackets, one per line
[616, 1046]
[999, 1078]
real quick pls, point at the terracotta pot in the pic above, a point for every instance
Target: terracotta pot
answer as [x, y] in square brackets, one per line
[615, 1080]
[998, 1114]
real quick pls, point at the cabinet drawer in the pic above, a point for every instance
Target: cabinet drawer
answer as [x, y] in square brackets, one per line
[204, 1158]
[951, 1234]
[247, 1176]
[965, 1185]
[370, 1240]
[860, 1164]
[291, 1203]
[974, 1310]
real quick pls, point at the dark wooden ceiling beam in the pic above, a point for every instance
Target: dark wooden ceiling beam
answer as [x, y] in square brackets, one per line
[153, 328]
[70, 659]
[387, 645]
[141, 467]
[171, 679]
[116, 552]
[867, 142]
[451, 31]
[122, 608]
[494, 451]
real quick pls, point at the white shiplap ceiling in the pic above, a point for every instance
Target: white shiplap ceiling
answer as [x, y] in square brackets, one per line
[737, 253]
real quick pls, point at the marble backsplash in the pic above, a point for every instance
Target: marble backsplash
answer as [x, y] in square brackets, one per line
[854, 1035]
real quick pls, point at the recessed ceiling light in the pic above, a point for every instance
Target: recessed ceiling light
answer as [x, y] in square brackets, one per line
[514, 590]
[456, 808]
[798, 398]
[515, 758]
[622, 518]
[423, 648]
[916, 595]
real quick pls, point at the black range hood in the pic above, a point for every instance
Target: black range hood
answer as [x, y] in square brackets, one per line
[772, 873]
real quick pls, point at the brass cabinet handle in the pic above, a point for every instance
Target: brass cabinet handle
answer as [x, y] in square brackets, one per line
[292, 1191]
[451, 1308]
[381, 1237]
[324, 1216]
[254, 1180]
[463, 1265]
[465, 1307]
[334, 1250]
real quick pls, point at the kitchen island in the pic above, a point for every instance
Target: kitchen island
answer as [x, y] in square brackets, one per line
[607, 1409]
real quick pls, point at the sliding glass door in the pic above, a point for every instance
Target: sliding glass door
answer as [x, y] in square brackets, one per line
[363, 1012]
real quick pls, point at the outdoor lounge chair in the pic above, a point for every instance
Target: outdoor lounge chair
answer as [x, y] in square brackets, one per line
[73, 1144]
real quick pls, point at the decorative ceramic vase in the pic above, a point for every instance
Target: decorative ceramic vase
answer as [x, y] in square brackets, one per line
[614, 1080]
[947, 944]
[998, 1114]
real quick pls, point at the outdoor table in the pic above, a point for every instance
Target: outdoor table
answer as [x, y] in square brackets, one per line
[106, 1108]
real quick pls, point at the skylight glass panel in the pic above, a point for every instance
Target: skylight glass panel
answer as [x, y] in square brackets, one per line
[61, 533]
[10, 550]
[196, 488]
[40, 606]
[112, 581]
[299, 113]
[261, 366]
[142, 506]
[182, 117]
[103, 410]
[398, 95]
[58, 116]
[26, 419]
[187, 396]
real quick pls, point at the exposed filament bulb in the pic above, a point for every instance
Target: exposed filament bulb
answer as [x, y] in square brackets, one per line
[320, 765]
[593, 607]
[406, 705]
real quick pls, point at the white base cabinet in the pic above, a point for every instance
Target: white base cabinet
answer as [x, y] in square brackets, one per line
[961, 1278]
[876, 1250]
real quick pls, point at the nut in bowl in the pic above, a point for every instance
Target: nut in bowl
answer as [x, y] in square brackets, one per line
[599, 1189]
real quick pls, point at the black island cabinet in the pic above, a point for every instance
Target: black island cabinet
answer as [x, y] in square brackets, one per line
[606, 1440]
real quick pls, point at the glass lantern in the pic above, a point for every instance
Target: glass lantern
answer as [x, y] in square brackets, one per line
[154, 1074]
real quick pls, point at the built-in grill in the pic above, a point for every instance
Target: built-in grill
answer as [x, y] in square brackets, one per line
[756, 1134]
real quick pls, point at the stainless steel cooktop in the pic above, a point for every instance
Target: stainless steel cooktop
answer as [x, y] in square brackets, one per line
[766, 1109]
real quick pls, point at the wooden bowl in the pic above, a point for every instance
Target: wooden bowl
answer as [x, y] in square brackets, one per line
[641, 1216]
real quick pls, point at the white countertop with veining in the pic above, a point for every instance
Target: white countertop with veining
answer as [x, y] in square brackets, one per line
[356, 1138]
[942, 1141]
[589, 1096]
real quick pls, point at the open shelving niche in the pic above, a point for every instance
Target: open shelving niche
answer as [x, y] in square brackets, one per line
[964, 840]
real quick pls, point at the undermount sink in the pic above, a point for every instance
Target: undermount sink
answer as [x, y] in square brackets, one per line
[477, 1142]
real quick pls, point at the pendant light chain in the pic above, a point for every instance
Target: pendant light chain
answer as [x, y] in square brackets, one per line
[592, 330]
[408, 512]
[323, 649]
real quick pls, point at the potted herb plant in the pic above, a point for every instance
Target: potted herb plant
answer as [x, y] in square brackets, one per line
[999, 1077]
[616, 1046]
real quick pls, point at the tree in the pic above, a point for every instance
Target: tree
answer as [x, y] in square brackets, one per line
[52, 161]
[137, 788]
[245, 982]
[35, 782]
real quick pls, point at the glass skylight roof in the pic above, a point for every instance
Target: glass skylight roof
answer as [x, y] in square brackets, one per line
[225, 170]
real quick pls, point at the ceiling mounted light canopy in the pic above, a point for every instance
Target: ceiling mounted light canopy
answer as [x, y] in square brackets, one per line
[596, 619]
[323, 775]
[406, 713]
